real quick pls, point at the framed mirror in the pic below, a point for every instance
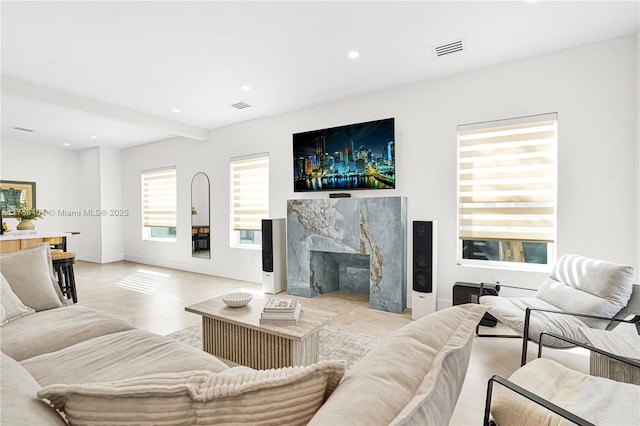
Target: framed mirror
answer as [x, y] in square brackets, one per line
[200, 206]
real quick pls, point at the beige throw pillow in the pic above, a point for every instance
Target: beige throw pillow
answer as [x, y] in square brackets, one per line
[11, 308]
[413, 377]
[30, 275]
[20, 407]
[239, 395]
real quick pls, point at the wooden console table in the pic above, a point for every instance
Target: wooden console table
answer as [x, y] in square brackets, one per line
[15, 240]
[235, 334]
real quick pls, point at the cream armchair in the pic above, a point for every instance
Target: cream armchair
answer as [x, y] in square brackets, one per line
[580, 292]
[546, 392]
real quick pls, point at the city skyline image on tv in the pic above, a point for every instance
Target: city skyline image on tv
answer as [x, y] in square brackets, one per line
[354, 156]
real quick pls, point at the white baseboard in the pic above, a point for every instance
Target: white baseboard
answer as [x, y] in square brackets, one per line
[98, 259]
[93, 259]
[444, 303]
[163, 263]
[112, 259]
[184, 266]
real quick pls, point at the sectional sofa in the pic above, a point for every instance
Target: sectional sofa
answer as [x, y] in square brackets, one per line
[75, 365]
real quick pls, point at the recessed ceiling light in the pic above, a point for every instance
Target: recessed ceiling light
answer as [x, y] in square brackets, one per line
[176, 110]
[354, 54]
[246, 88]
[67, 144]
[94, 137]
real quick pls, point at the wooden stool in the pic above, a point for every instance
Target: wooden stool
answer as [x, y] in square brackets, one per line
[63, 267]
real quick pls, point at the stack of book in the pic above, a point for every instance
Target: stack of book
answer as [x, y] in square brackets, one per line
[281, 311]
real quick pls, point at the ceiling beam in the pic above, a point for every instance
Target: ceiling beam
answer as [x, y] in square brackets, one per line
[18, 88]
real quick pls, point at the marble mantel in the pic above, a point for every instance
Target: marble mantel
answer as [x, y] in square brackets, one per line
[375, 227]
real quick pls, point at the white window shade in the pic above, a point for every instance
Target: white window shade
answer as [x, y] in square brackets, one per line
[507, 180]
[159, 198]
[250, 192]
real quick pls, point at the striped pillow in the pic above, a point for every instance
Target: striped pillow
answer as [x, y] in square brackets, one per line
[289, 395]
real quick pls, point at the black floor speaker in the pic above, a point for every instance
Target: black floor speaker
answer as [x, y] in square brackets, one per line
[267, 245]
[423, 256]
[469, 293]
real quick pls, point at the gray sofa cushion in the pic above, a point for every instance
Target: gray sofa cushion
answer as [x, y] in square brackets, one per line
[20, 406]
[583, 285]
[510, 312]
[118, 356]
[55, 329]
[416, 374]
[30, 275]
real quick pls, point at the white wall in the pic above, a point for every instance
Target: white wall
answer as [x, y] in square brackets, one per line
[594, 89]
[112, 213]
[89, 188]
[55, 172]
[74, 187]
[590, 87]
[189, 157]
[101, 222]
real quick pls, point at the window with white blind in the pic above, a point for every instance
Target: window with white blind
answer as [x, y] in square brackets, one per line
[159, 203]
[249, 199]
[507, 173]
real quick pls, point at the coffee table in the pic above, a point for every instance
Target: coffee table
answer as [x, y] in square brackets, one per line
[235, 334]
[625, 345]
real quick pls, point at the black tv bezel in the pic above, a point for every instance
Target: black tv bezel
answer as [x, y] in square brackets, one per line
[335, 128]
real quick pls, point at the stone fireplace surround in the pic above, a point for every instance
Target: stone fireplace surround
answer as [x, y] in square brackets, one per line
[332, 271]
[330, 240]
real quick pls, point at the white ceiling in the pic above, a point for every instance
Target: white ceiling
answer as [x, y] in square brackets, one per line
[115, 70]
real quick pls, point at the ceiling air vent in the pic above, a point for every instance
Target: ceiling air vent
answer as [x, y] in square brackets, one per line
[23, 129]
[240, 105]
[448, 48]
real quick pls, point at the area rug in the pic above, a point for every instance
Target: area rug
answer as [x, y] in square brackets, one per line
[335, 343]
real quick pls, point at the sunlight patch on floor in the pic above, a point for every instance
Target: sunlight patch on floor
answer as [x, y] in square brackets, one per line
[256, 293]
[143, 281]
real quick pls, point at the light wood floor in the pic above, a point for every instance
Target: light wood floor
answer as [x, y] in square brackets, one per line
[153, 298]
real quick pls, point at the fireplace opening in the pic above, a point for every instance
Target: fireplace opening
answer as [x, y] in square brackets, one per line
[332, 271]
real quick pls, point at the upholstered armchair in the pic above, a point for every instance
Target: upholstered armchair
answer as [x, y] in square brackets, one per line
[580, 292]
[546, 392]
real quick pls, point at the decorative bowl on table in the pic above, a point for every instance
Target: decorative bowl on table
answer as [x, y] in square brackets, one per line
[237, 300]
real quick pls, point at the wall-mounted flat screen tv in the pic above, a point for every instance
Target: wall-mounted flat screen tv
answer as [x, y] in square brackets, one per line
[355, 156]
